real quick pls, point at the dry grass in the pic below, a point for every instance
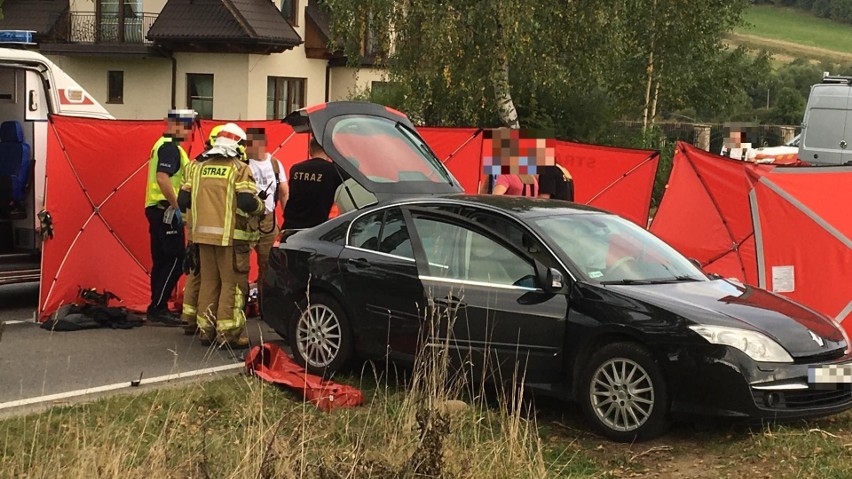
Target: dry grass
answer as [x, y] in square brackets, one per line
[422, 422]
[240, 427]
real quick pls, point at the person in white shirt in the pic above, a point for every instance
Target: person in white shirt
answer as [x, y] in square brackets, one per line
[272, 188]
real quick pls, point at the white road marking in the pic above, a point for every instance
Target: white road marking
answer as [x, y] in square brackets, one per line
[122, 385]
[16, 321]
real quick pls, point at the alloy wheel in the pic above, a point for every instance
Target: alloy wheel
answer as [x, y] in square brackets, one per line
[318, 335]
[622, 394]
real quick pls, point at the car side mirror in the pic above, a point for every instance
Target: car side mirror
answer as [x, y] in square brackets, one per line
[549, 279]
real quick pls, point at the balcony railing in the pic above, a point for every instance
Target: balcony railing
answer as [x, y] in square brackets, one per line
[93, 28]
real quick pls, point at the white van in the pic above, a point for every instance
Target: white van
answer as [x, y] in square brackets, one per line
[827, 125]
[31, 87]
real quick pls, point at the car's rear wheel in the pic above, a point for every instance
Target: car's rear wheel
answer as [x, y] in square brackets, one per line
[320, 336]
[624, 394]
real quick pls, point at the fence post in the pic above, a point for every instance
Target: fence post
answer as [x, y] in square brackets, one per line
[787, 133]
[702, 136]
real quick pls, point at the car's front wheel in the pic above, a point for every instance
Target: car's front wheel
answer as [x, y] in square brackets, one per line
[624, 394]
[320, 336]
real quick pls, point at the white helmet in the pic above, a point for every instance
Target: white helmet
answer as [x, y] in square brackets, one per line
[229, 141]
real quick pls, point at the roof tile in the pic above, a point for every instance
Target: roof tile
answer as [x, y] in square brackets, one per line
[37, 15]
[238, 20]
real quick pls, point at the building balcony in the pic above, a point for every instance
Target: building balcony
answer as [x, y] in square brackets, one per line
[92, 28]
[102, 34]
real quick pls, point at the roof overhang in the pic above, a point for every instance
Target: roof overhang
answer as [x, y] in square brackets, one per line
[101, 49]
[241, 45]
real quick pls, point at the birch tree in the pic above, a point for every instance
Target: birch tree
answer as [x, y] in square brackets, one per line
[675, 47]
[462, 62]
[501, 62]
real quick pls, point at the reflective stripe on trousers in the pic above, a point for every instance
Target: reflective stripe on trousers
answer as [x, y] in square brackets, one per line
[239, 321]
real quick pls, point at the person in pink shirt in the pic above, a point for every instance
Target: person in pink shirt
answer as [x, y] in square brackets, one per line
[516, 185]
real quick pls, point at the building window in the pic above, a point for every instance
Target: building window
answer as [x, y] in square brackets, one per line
[115, 86]
[284, 95]
[290, 11]
[119, 21]
[199, 94]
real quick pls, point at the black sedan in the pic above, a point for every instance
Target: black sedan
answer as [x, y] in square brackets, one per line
[592, 308]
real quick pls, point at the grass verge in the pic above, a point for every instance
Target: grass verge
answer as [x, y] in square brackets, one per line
[411, 426]
[419, 423]
[238, 427]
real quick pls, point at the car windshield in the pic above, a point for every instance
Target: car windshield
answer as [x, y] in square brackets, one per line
[608, 249]
[386, 151]
[794, 141]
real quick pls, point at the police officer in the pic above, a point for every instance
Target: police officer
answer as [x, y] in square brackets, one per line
[166, 168]
[223, 197]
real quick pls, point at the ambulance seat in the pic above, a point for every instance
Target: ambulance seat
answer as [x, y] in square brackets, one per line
[14, 163]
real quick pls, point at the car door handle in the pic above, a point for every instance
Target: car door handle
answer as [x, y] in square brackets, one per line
[359, 262]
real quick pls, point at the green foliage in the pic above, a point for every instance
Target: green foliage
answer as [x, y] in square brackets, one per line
[577, 68]
[672, 46]
[799, 75]
[572, 66]
[789, 107]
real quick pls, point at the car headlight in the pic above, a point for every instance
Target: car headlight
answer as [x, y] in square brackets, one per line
[756, 345]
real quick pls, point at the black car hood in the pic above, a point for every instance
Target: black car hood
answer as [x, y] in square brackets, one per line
[721, 303]
[319, 120]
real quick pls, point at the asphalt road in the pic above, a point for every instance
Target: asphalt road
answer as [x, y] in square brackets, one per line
[40, 367]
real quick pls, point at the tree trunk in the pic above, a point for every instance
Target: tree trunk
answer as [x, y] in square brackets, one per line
[502, 92]
[656, 95]
[649, 69]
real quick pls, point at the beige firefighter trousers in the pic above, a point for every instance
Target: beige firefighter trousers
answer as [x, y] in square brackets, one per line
[223, 289]
[190, 298]
[263, 246]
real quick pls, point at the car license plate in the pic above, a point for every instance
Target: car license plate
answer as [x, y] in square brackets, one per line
[830, 374]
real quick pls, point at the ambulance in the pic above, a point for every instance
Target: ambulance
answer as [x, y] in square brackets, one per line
[31, 88]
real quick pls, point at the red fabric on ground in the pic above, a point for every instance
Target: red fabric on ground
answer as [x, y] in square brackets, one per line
[273, 365]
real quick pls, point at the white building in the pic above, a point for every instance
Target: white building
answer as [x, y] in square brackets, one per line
[227, 59]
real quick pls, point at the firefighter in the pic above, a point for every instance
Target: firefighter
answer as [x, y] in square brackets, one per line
[166, 168]
[192, 261]
[223, 198]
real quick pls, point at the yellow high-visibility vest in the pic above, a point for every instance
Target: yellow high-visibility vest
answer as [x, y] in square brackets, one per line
[153, 195]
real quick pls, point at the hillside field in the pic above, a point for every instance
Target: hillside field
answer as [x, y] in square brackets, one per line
[792, 33]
